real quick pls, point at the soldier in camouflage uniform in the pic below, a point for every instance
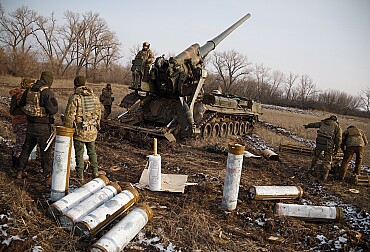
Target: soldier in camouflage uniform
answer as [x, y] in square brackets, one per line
[328, 140]
[147, 56]
[107, 99]
[83, 113]
[39, 104]
[19, 118]
[353, 141]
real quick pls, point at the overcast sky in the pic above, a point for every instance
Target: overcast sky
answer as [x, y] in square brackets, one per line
[329, 40]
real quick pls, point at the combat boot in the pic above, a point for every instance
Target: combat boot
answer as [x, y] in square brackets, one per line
[96, 173]
[80, 175]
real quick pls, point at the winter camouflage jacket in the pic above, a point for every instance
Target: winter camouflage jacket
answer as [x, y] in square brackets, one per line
[353, 136]
[329, 134]
[83, 113]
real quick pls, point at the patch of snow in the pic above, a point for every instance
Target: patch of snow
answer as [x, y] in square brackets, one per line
[12, 238]
[155, 242]
[37, 249]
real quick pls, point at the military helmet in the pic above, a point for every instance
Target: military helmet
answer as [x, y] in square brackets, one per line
[146, 44]
[333, 117]
[27, 82]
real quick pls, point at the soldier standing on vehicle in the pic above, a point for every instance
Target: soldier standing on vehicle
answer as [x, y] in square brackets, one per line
[107, 99]
[83, 113]
[147, 56]
[328, 140]
[39, 104]
[19, 119]
[353, 142]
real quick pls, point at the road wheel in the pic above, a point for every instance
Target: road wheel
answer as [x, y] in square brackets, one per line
[230, 128]
[207, 130]
[242, 128]
[223, 129]
[236, 128]
[216, 130]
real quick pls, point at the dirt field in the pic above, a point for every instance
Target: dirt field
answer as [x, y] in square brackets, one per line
[194, 220]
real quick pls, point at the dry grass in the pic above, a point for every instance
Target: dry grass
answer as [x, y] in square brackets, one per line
[28, 221]
[294, 122]
[63, 88]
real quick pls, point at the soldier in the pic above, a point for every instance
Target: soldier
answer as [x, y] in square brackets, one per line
[328, 139]
[39, 104]
[19, 119]
[353, 141]
[83, 112]
[147, 56]
[107, 99]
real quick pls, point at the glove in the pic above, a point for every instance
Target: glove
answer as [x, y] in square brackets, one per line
[305, 126]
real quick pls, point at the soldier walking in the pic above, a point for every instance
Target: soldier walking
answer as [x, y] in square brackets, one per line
[107, 99]
[353, 142]
[328, 140]
[39, 104]
[83, 113]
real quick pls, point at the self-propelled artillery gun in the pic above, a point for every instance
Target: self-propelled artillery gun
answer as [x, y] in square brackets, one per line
[169, 100]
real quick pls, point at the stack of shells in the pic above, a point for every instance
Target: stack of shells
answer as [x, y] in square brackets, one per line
[95, 205]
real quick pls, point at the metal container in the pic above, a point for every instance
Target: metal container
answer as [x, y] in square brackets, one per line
[106, 213]
[270, 155]
[362, 179]
[309, 213]
[232, 176]
[85, 207]
[274, 192]
[69, 201]
[61, 163]
[296, 149]
[124, 231]
[155, 176]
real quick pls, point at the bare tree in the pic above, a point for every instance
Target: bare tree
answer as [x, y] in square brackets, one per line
[230, 66]
[306, 89]
[366, 100]
[261, 75]
[277, 78]
[289, 83]
[15, 35]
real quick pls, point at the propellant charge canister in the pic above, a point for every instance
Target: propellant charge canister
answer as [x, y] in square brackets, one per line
[274, 192]
[103, 215]
[85, 207]
[232, 178]
[61, 206]
[310, 213]
[61, 163]
[124, 231]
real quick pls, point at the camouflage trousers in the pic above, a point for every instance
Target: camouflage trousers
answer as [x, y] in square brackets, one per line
[326, 162]
[348, 154]
[79, 152]
[107, 111]
[19, 130]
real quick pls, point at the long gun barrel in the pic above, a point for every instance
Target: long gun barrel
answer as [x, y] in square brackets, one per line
[211, 44]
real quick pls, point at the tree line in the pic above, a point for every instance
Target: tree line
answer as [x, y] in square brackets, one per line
[84, 44]
[233, 72]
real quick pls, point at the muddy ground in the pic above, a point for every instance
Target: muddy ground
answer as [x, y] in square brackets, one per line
[193, 220]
